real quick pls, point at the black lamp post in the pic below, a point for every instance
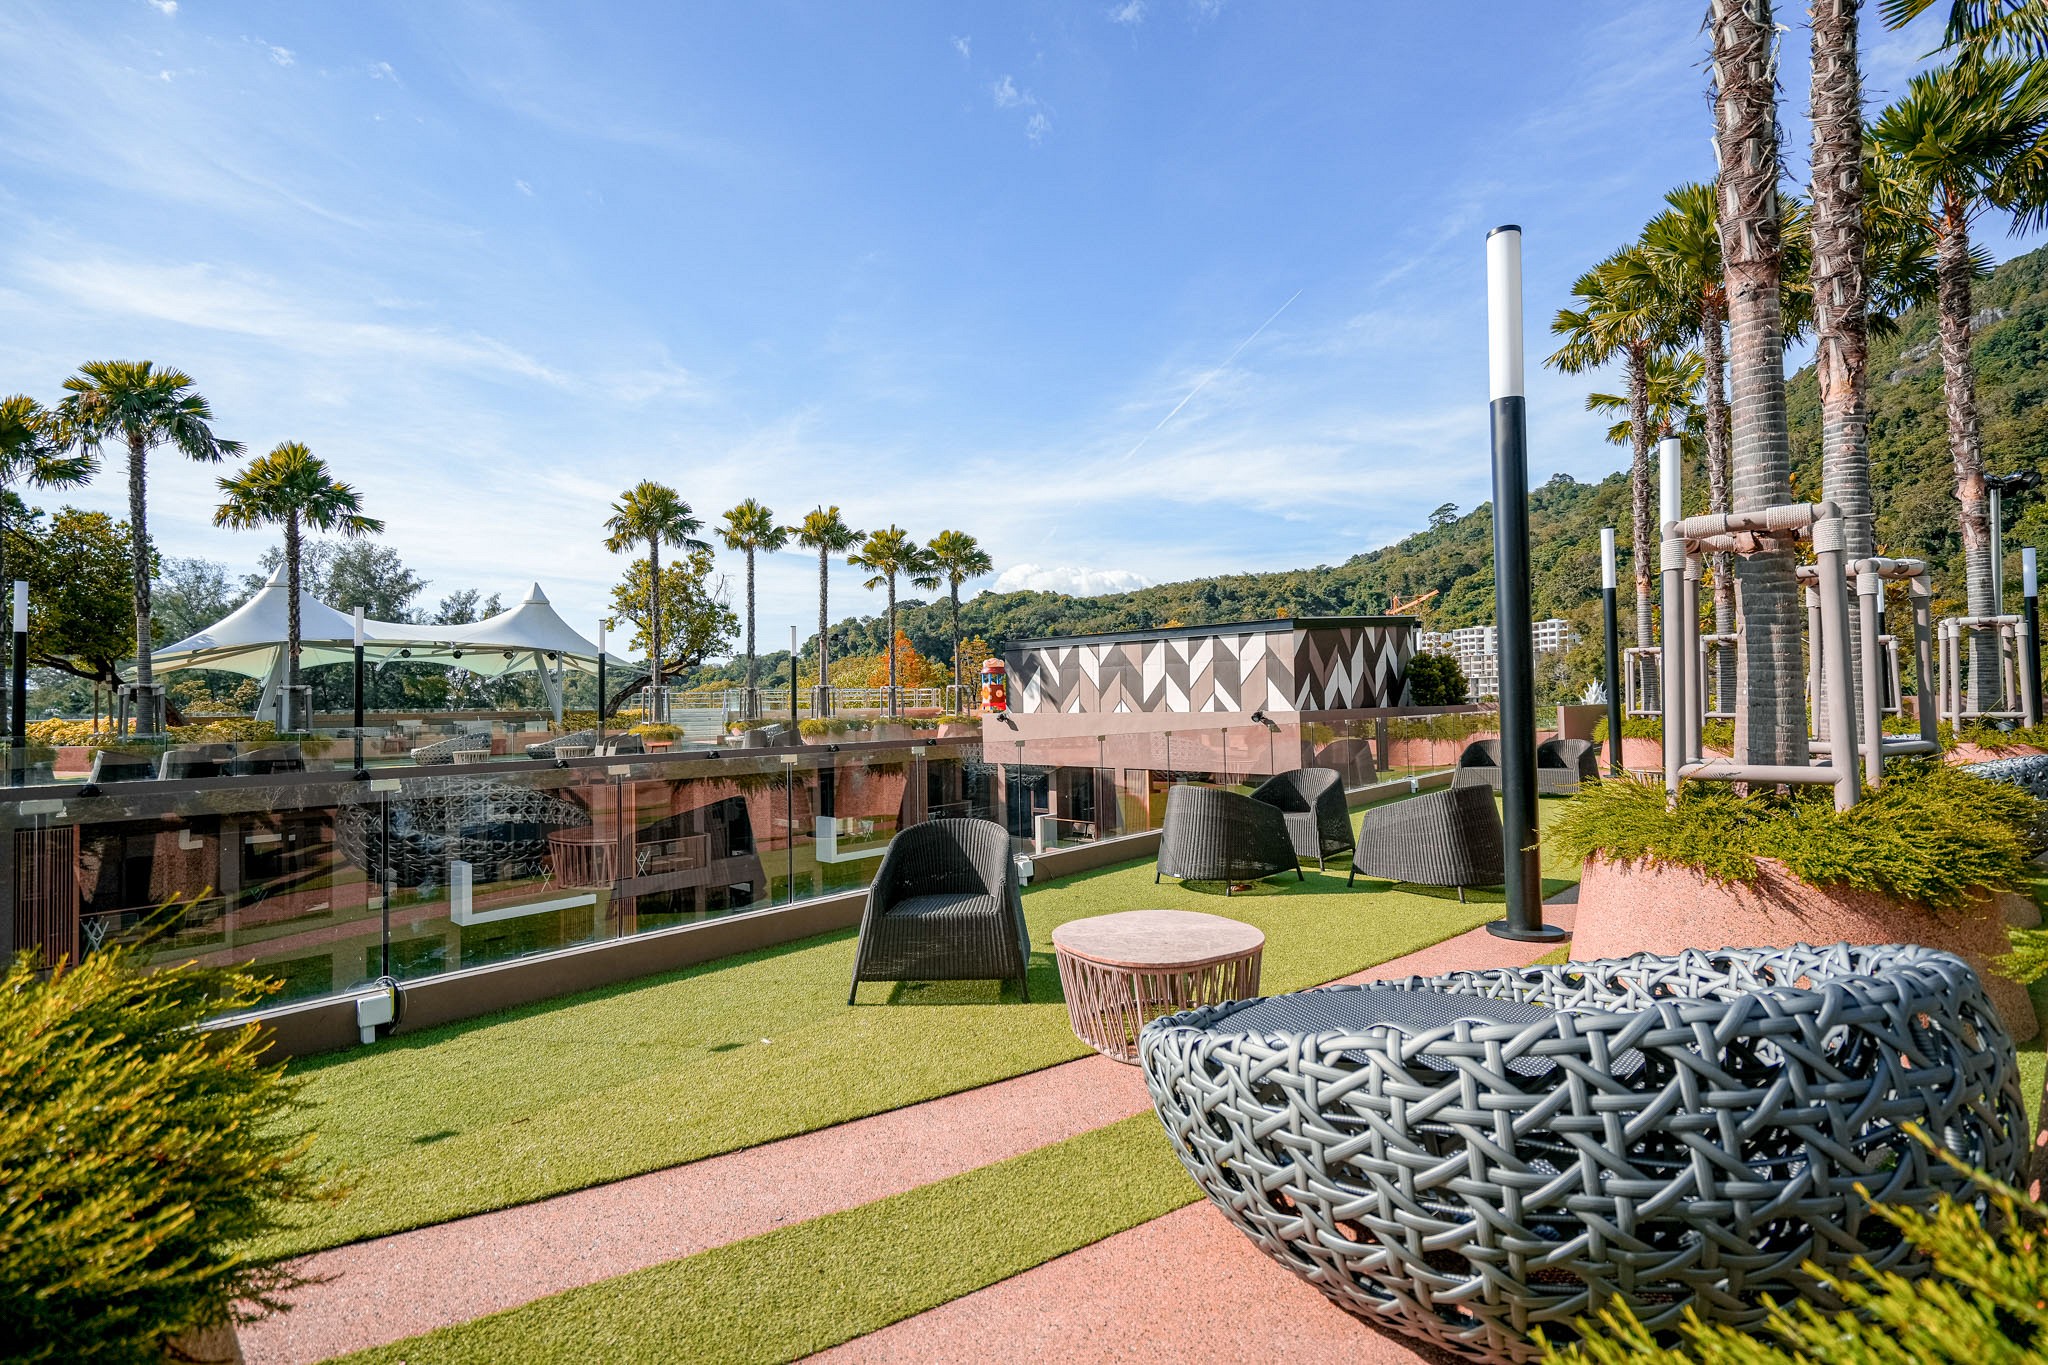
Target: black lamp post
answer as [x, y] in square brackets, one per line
[1516, 648]
[600, 684]
[361, 771]
[1611, 628]
[17, 763]
[1999, 486]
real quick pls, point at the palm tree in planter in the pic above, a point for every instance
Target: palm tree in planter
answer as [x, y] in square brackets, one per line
[31, 456]
[825, 531]
[1968, 137]
[654, 515]
[1625, 313]
[292, 488]
[750, 528]
[1770, 707]
[957, 557]
[143, 407]
[887, 556]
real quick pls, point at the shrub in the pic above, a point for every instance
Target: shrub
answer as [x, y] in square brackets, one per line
[138, 1158]
[1437, 680]
[1931, 833]
[226, 730]
[56, 732]
[657, 730]
[1716, 734]
[1985, 1299]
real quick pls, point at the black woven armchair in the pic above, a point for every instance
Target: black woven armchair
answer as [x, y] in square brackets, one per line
[1479, 765]
[944, 907]
[1450, 837]
[1352, 758]
[1312, 802]
[1562, 764]
[1213, 835]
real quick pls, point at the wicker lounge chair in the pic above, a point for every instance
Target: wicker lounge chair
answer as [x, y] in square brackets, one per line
[944, 907]
[623, 744]
[546, 748]
[1450, 837]
[1478, 765]
[1351, 757]
[1213, 835]
[1312, 802]
[195, 761]
[1465, 1157]
[444, 750]
[1562, 764]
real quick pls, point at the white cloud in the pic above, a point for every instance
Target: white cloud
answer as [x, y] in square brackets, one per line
[381, 71]
[1006, 95]
[1037, 126]
[1131, 13]
[964, 46]
[1068, 579]
[523, 188]
[165, 7]
[281, 55]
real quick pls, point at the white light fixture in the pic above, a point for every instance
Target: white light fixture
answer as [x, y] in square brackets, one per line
[1667, 482]
[359, 627]
[21, 605]
[2030, 584]
[1607, 556]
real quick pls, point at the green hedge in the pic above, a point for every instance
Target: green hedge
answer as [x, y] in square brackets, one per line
[1931, 833]
[138, 1158]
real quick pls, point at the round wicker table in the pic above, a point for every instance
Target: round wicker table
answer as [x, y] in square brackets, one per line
[1119, 971]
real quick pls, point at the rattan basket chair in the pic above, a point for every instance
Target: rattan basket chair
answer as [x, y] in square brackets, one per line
[1213, 835]
[546, 748]
[1469, 1157]
[944, 906]
[1449, 837]
[1478, 765]
[1311, 800]
[1562, 764]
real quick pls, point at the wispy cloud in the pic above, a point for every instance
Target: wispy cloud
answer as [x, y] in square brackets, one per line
[281, 55]
[166, 7]
[383, 71]
[964, 46]
[1005, 93]
[1210, 377]
[1067, 578]
[523, 188]
[1130, 13]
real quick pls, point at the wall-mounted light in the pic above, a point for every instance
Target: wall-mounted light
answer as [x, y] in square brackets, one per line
[458, 654]
[405, 654]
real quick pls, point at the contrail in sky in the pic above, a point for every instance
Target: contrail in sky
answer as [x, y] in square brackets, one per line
[1212, 374]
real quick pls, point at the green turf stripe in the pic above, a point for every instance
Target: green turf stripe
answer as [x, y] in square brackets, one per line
[804, 1288]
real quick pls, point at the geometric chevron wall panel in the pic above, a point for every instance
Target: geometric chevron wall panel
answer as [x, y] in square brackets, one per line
[1313, 664]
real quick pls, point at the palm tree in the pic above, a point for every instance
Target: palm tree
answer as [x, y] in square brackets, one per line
[824, 531]
[143, 407]
[1626, 314]
[957, 557]
[887, 556]
[1672, 393]
[30, 455]
[748, 528]
[654, 515]
[291, 487]
[1969, 137]
[1770, 706]
[1839, 283]
[2019, 27]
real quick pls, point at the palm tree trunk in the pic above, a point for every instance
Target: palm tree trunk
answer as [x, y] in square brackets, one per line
[955, 594]
[1959, 388]
[824, 630]
[1770, 705]
[654, 628]
[750, 635]
[1643, 538]
[892, 644]
[291, 583]
[1842, 346]
[1711, 308]
[138, 549]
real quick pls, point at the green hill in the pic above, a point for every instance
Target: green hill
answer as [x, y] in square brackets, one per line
[1910, 467]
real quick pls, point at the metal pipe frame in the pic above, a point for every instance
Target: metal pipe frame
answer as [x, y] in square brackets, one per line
[1831, 673]
[1671, 558]
[1694, 679]
[2012, 638]
[1723, 708]
[1637, 696]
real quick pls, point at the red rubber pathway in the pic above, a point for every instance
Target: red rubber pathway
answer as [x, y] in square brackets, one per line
[1081, 1307]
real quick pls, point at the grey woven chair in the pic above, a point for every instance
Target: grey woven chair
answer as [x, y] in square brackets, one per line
[624, 744]
[1312, 802]
[195, 761]
[1465, 1158]
[944, 907]
[444, 750]
[546, 748]
[1562, 764]
[1213, 835]
[1353, 758]
[1450, 837]
[115, 765]
[1478, 765]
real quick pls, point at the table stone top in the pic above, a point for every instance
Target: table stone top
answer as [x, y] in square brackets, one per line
[1157, 938]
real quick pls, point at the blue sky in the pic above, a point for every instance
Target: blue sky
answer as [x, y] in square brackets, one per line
[997, 267]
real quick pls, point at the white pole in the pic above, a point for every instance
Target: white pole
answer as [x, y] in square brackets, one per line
[1667, 483]
[1504, 313]
[2029, 583]
[21, 601]
[1607, 557]
[359, 627]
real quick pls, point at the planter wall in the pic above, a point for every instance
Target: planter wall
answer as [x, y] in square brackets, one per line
[1643, 907]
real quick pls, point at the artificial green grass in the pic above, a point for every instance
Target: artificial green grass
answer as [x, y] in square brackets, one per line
[813, 1285]
[570, 1093]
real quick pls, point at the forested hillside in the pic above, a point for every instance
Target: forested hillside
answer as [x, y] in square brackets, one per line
[1911, 471]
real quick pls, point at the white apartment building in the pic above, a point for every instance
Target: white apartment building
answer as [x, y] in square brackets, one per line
[1476, 648]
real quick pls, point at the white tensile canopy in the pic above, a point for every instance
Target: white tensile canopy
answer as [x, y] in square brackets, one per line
[250, 640]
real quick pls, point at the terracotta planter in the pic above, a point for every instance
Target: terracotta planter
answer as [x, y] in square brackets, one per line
[1985, 753]
[1661, 908]
[74, 759]
[212, 1345]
